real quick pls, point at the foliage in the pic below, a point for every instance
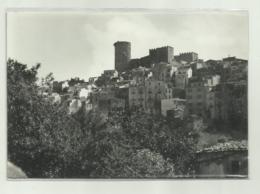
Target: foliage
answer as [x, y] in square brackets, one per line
[48, 80]
[74, 81]
[42, 138]
[46, 141]
[117, 147]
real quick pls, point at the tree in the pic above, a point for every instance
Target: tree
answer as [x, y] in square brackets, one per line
[137, 145]
[74, 81]
[42, 138]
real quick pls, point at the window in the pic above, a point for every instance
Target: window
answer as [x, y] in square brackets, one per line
[199, 96]
[235, 167]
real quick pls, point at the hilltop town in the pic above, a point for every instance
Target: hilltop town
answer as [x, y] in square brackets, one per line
[163, 83]
[161, 115]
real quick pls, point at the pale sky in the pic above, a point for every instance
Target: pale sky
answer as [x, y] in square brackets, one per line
[80, 44]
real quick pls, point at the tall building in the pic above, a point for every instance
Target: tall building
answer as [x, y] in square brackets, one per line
[122, 55]
[201, 97]
[164, 72]
[149, 95]
[156, 55]
[182, 76]
[162, 54]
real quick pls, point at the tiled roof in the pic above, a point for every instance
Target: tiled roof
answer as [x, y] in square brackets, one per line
[227, 146]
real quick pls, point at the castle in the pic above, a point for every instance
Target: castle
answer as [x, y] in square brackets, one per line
[123, 60]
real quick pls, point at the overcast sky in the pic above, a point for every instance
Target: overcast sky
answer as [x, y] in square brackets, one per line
[81, 44]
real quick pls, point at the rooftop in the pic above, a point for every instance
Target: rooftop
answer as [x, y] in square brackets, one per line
[226, 146]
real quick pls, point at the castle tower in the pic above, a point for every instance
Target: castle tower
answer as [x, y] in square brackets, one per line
[122, 55]
[162, 54]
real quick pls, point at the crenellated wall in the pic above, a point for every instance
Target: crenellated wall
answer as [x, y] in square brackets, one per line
[162, 54]
[187, 56]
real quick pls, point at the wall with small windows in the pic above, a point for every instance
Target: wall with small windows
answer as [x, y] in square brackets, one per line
[148, 96]
[175, 105]
[223, 164]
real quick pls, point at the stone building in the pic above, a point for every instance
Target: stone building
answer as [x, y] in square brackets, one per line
[148, 97]
[155, 92]
[211, 80]
[162, 54]
[196, 95]
[231, 103]
[111, 104]
[92, 80]
[110, 74]
[139, 75]
[201, 96]
[229, 159]
[137, 97]
[182, 76]
[173, 107]
[122, 92]
[105, 100]
[164, 72]
[102, 94]
[211, 104]
[188, 57]
[197, 66]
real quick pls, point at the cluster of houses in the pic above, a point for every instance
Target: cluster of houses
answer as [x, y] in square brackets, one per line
[164, 84]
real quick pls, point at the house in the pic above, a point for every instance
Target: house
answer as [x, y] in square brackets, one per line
[148, 96]
[201, 96]
[139, 75]
[229, 159]
[164, 72]
[173, 106]
[182, 76]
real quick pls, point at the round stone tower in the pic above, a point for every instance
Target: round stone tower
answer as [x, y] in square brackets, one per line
[122, 55]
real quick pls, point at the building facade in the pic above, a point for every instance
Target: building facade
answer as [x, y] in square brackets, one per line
[148, 97]
[182, 76]
[188, 57]
[201, 96]
[222, 160]
[164, 72]
[173, 107]
[162, 54]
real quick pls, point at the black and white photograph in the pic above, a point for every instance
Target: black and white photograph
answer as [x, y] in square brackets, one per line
[127, 94]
